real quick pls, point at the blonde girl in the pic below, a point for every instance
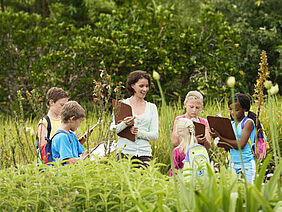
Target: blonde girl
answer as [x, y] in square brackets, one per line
[193, 104]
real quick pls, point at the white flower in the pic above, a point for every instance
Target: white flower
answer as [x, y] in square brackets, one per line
[274, 89]
[231, 82]
[156, 75]
[31, 131]
[268, 84]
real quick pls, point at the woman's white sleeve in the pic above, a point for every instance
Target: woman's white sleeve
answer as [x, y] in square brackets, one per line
[117, 127]
[153, 133]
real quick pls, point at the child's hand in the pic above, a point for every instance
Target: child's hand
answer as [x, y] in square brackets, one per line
[214, 133]
[88, 133]
[201, 139]
[129, 121]
[82, 156]
[134, 130]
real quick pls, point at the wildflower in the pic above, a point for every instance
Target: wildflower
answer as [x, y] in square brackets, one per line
[102, 72]
[76, 192]
[258, 3]
[30, 94]
[40, 99]
[156, 75]
[274, 90]
[108, 77]
[268, 84]
[115, 90]
[231, 82]
[95, 99]
[31, 131]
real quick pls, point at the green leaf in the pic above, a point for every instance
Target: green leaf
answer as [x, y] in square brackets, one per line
[259, 180]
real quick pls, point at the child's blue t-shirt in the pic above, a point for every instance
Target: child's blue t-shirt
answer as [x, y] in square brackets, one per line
[66, 145]
[247, 153]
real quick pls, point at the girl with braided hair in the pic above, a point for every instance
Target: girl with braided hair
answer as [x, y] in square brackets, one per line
[185, 131]
[244, 129]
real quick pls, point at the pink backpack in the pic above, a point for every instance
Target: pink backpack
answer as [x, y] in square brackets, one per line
[261, 145]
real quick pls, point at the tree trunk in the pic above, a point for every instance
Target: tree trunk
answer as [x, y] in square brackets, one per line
[2, 6]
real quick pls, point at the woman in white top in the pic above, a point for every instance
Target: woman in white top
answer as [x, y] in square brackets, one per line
[144, 123]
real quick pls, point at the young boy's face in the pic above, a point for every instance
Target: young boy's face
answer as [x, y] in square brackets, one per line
[193, 107]
[57, 106]
[75, 124]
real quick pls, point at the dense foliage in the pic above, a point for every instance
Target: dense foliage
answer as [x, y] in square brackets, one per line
[67, 43]
[107, 185]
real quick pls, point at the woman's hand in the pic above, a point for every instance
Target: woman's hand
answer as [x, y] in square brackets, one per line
[134, 130]
[129, 121]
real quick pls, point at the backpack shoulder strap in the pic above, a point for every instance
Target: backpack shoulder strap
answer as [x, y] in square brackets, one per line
[49, 127]
[244, 121]
[61, 131]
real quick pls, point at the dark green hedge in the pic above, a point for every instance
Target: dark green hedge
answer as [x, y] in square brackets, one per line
[38, 53]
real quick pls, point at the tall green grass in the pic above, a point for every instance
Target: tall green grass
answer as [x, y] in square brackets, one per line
[17, 136]
[107, 185]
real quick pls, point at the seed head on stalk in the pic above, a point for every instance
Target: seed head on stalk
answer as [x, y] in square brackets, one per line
[261, 83]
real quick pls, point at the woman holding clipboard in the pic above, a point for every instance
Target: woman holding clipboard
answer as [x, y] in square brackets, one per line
[143, 124]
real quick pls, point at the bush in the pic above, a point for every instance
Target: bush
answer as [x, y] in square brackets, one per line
[39, 53]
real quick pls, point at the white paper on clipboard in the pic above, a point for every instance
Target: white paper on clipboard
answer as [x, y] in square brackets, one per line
[99, 150]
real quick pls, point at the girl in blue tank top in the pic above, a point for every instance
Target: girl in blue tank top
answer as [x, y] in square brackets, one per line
[244, 131]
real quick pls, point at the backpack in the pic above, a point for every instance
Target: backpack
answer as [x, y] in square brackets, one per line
[36, 143]
[46, 149]
[195, 161]
[261, 145]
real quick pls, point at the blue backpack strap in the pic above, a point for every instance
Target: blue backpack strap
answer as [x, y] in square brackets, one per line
[49, 127]
[244, 121]
[58, 132]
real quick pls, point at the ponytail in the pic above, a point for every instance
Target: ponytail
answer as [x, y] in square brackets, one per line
[253, 116]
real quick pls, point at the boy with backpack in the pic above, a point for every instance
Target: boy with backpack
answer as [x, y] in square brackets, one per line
[64, 144]
[47, 126]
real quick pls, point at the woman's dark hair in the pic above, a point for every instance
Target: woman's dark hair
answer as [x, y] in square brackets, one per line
[133, 77]
[245, 103]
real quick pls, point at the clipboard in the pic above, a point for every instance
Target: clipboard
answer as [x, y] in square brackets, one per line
[90, 130]
[199, 128]
[222, 125]
[121, 111]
